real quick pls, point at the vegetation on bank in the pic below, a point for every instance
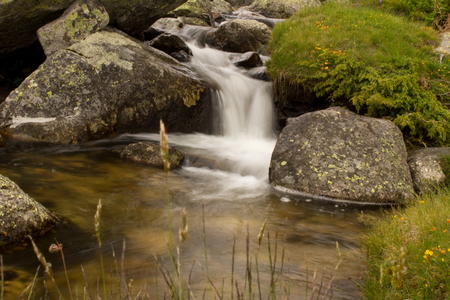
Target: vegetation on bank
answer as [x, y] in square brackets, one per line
[409, 252]
[433, 12]
[375, 63]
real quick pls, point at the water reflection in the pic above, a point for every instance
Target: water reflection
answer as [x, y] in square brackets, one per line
[141, 208]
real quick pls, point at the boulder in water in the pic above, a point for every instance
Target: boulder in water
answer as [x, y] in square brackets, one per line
[247, 60]
[149, 153]
[20, 19]
[240, 36]
[81, 19]
[339, 155]
[427, 168]
[20, 215]
[280, 8]
[104, 84]
[172, 45]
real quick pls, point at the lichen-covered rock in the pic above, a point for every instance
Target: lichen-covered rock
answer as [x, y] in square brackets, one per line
[20, 215]
[20, 19]
[240, 36]
[280, 8]
[104, 84]
[81, 19]
[150, 154]
[444, 46]
[238, 3]
[426, 168]
[203, 9]
[172, 45]
[338, 154]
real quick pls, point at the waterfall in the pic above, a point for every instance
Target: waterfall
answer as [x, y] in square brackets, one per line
[241, 149]
[244, 104]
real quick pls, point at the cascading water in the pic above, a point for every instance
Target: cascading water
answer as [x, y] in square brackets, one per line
[240, 151]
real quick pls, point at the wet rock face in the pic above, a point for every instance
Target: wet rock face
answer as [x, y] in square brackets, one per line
[338, 154]
[20, 19]
[280, 8]
[149, 153]
[81, 19]
[172, 45]
[247, 60]
[240, 36]
[426, 168]
[104, 84]
[20, 215]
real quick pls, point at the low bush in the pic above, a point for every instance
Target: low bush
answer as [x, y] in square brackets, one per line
[375, 63]
[409, 252]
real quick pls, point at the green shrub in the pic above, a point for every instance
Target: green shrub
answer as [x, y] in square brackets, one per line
[433, 12]
[409, 252]
[375, 63]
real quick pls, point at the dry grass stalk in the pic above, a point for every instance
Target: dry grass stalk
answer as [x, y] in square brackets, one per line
[164, 146]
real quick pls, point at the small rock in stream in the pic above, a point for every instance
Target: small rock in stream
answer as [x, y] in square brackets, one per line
[149, 153]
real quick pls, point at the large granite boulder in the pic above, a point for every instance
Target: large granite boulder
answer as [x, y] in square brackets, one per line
[20, 19]
[149, 153]
[427, 168]
[20, 215]
[238, 3]
[280, 8]
[337, 154]
[81, 19]
[203, 9]
[104, 84]
[240, 36]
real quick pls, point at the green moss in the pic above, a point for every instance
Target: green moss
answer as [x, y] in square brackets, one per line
[433, 12]
[372, 62]
[409, 252]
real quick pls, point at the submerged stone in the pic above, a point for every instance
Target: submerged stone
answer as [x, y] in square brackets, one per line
[337, 154]
[150, 154]
[20, 215]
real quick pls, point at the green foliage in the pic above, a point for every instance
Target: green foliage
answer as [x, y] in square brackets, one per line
[433, 12]
[409, 252]
[375, 63]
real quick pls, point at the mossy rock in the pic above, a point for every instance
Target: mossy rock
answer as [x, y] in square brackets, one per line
[20, 215]
[337, 154]
[280, 8]
[20, 19]
[81, 19]
[240, 36]
[372, 62]
[202, 9]
[105, 84]
[429, 167]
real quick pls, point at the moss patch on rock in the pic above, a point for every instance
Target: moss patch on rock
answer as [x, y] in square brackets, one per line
[372, 62]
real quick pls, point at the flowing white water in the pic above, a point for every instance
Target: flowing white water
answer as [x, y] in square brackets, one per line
[242, 148]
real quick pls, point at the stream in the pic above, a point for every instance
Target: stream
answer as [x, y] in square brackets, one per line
[223, 185]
